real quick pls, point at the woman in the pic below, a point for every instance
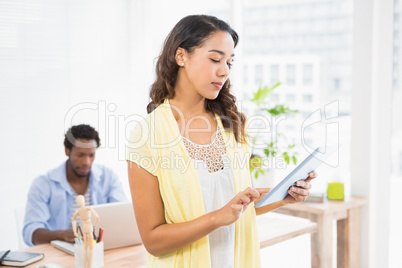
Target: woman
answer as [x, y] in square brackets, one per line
[188, 160]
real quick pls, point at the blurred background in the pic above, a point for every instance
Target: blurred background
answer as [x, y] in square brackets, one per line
[339, 62]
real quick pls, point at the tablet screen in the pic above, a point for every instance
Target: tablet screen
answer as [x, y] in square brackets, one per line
[311, 163]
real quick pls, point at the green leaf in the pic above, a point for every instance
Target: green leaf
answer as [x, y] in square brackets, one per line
[286, 156]
[257, 172]
[261, 94]
[294, 160]
[260, 98]
[280, 109]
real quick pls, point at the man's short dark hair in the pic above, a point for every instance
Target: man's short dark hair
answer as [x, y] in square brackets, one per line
[80, 132]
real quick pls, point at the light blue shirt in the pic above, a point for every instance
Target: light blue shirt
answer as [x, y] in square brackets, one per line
[50, 199]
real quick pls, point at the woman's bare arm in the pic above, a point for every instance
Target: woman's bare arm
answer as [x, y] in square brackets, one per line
[160, 238]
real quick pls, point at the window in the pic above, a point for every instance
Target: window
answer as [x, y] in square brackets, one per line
[274, 74]
[245, 74]
[290, 97]
[290, 74]
[307, 74]
[274, 97]
[259, 74]
[307, 98]
[337, 83]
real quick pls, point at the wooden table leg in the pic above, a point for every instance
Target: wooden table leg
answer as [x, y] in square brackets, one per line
[321, 243]
[348, 240]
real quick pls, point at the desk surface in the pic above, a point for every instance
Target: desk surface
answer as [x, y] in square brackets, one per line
[133, 256]
[272, 228]
[328, 206]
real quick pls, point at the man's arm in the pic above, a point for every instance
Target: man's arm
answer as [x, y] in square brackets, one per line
[36, 211]
[41, 236]
[38, 215]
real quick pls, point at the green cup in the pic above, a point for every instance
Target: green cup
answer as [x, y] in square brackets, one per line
[336, 191]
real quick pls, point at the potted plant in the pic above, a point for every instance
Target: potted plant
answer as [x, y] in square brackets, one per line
[270, 149]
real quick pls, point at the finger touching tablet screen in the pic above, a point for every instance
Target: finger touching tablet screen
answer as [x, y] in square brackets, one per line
[311, 163]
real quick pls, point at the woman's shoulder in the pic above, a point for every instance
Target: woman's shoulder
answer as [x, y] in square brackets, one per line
[149, 118]
[151, 123]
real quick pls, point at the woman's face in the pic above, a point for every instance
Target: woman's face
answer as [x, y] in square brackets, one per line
[207, 68]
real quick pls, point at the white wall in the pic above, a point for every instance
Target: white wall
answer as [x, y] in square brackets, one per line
[63, 54]
[68, 62]
[371, 126]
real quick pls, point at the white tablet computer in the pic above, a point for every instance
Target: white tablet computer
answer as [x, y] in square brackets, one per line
[311, 163]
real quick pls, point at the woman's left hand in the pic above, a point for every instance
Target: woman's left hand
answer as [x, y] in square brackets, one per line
[300, 192]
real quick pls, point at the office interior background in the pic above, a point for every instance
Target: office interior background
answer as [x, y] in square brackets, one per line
[66, 62]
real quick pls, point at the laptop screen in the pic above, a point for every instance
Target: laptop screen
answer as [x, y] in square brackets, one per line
[119, 225]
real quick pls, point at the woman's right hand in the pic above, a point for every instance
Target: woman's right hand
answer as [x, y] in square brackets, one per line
[232, 211]
[159, 237]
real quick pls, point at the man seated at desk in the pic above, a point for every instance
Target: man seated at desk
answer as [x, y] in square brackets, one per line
[51, 198]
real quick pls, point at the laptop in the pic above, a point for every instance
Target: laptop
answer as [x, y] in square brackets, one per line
[119, 225]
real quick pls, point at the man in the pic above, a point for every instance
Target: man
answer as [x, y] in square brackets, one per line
[51, 198]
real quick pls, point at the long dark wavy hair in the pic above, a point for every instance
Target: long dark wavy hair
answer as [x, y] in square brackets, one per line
[190, 33]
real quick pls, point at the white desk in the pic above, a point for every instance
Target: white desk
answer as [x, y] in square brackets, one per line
[272, 228]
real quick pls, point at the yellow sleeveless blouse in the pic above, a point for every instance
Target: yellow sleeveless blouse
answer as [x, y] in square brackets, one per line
[155, 144]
